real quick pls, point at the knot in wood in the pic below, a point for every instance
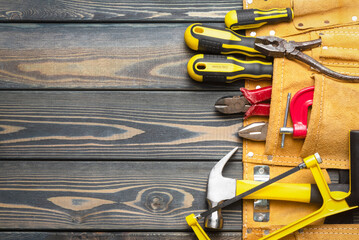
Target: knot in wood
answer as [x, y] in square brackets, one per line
[76, 219]
[158, 201]
[14, 15]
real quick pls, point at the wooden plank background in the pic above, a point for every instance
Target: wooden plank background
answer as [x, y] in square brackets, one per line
[97, 56]
[115, 125]
[107, 195]
[102, 133]
[114, 235]
[116, 11]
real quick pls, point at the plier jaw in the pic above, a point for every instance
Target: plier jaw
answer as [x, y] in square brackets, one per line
[270, 46]
[232, 104]
[251, 102]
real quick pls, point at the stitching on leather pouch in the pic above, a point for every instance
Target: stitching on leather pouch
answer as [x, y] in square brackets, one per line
[326, 228]
[344, 48]
[245, 202]
[320, 113]
[281, 156]
[340, 32]
[280, 103]
[340, 64]
[287, 161]
[348, 27]
[334, 233]
[349, 73]
[331, 228]
[246, 152]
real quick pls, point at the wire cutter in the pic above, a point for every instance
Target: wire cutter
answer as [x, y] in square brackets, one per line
[251, 102]
[272, 46]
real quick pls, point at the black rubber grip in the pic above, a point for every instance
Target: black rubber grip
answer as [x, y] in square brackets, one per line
[248, 16]
[254, 18]
[353, 199]
[316, 197]
[210, 46]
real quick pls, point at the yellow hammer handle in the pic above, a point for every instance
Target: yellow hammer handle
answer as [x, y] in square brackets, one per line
[294, 192]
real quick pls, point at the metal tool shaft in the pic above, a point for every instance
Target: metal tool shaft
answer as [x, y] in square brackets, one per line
[285, 118]
[322, 69]
[277, 47]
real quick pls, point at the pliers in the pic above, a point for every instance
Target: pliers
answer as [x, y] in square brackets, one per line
[251, 102]
[277, 47]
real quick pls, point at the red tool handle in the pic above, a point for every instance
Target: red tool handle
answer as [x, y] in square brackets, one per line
[260, 109]
[299, 105]
[257, 95]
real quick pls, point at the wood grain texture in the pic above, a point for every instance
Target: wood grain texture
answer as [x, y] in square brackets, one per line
[92, 56]
[116, 11]
[107, 195]
[115, 125]
[114, 236]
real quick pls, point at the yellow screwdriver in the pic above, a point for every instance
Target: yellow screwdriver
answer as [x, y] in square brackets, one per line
[214, 40]
[227, 69]
[255, 18]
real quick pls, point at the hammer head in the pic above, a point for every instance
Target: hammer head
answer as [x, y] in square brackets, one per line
[219, 189]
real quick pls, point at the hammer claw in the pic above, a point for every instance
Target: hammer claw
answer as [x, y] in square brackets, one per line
[218, 168]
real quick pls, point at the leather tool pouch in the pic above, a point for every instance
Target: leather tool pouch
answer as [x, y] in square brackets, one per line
[333, 114]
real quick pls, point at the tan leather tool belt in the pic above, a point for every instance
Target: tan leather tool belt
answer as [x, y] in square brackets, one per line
[334, 112]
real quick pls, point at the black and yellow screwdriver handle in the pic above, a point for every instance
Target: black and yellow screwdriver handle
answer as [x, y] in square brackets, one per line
[226, 69]
[219, 41]
[255, 18]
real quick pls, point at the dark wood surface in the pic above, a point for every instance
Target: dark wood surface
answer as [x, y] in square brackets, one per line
[107, 195]
[97, 56]
[102, 133]
[113, 235]
[148, 125]
[116, 11]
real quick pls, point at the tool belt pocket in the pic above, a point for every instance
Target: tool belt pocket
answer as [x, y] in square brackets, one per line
[335, 102]
[333, 115]
[340, 49]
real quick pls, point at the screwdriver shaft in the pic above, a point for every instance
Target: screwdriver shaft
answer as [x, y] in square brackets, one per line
[285, 118]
